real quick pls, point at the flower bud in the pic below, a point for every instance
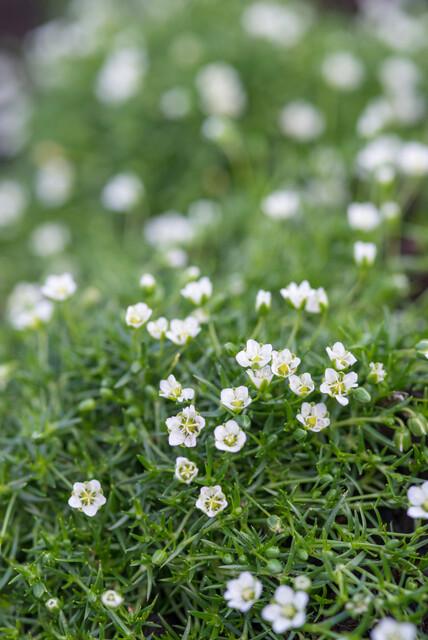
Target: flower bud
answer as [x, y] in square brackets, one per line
[402, 439]
[362, 395]
[418, 425]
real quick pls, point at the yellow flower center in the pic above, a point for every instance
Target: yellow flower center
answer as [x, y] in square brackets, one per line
[288, 611]
[87, 497]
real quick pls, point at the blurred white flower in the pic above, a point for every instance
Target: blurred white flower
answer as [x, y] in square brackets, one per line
[111, 599]
[169, 229]
[27, 308]
[399, 75]
[390, 210]
[204, 213]
[365, 253]
[121, 75]
[185, 427]
[137, 315]
[211, 500]
[301, 121]
[220, 90]
[284, 363]
[379, 153]
[59, 287]
[340, 358]
[229, 437]
[172, 390]
[297, 294]
[13, 201]
[377, 114]
[377, 372]
[261, 378]
[182, 331]
[235, 398]
[87, 497]
[301, 385]
[255, 355]
[302, 583]
[49, 239]
[243, 592]
[192, 273]
[176, 258]
[147, 282]
[288, 610]
[175, 103]
[263, 301]
[418, 498]
[198, 292]
[390, 629]
[337, 384]
[279, 24]
[317, 301]
[363, 216]
[343, 70]
[413, 159]
[122, 192]
[281, 205]
[158, 328]
[314, 417]
[185, 470]
[52, 604]
[54, 181]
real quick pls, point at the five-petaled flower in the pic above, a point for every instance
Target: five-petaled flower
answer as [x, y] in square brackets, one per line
[235, 398]
[263, 301]
[185, 427]
[172, 390]
[418, 498]
[158, 328]
[111, 599]
[377, 372]
[301, 385]
[182, 331]
[229, 437]
[288, 610]
[337, 384]
[87, 497]
[59, 287]
[243, 592]
[284, 363]
[303, 296]
[314, 417]
[255, 355]
[390, 629]
[340, 358]
[261, 378]
[198, 292]
[137, 315]
[211, 500]
[185, 470]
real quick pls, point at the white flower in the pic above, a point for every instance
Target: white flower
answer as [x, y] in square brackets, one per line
[122, 192]
[301, 121]
[220, 90]
[343, 71]
[301, 385]
[168, 230]
[363, 216]
[229, 437]
[185, 470]
[297, 294]
[49, 238]
[365, 253]
[121, 75]
[260, 378]
[181, 331]
[317, 301]
[185, 427]
[175, 103]
[279, 24]
[172, 390]
[137, 315]
[255, 355]
[397, 73]
[288, 610]
[418, 498]
[198, 292]
[176, 258]
[12, 202]
[87, 497]
[158, 328]
[211, 500]
[413, 159]
[111, 599]
[390, 629]
[52, 604]
[263, 301]
[281, 205]
[302, 583]
[236, 398]
[341, 358]
[390, 210]
[284, 363]
[26, 307]
[378, 154]
[205, 213]
[192, 273]
[314, 417]
[377, 372]
[242, 592]
[337, 384]
[147, 282]
[54, 181]
[59, 287]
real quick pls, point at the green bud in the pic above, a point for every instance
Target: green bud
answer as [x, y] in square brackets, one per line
[274, 523]
[159, 556]
[402, 439]
[273, 552]
[106, 393]
[302, 554]
[87, 405]
[300, 434]
[227, 558]
[274, 566]
[361, 395]
[418, 425]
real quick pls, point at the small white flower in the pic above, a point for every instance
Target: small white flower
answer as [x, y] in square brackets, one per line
[297, 294]
[301, 385]
[279, 24]
[147, 282]
[198, 292]
[172, 390]
[229, 437]
[120, 76]
[168, 230]
[390, 629]
[13, 201]
[236, 398]
[337, 384]
[390, 210]
[220, 90]
[87, 497]
[176, 258]
[413, 159]
[158, 328]
[175, 103]
[185, 427]
[341, 358]
[122, 192]
[317, 301]
[59, 287]
[284, 363]
[137, 315]
[343, 71]
[377, 372]
[26, 307]
[359, 604]
[54, 181]
[301, 121]
[263, 301]
[185, 470]
[243, 592]
[365, 253]
[418, 498]
[52, 604]
[261, 378]
[302, 583]
[181, 331]
[288, 610]
[211, 500]
[314, 417]
[192, 273]
[281, 205]
[49, 239]
[111, 599]
[363, 216]
[255, 355]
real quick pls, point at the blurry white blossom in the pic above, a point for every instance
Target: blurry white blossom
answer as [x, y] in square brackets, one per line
[111, 599]
[182, 331]
[175, 258]
[137, 315]
[220, 90]
[263, 301]
[175, 103]
[52, 604]
[413, 159]
[363, 216]
[27, 308]
[59, 287]
[377, 372]
[390, 629]
[147, 282]
[288, 609]
[377, 154]
[303, 296]
[343, 70]
[198, 292]
[121, 75]
[301, 121]
[390, 210]
[54, 181]
[49, 239]
[280, 24]
[281, 205]
[13, 201]
[365, 253]
[122, 192]
[168, 229]
[158, 328]
[418, 499]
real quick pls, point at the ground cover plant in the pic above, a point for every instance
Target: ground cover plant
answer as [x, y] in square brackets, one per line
[214, 354]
